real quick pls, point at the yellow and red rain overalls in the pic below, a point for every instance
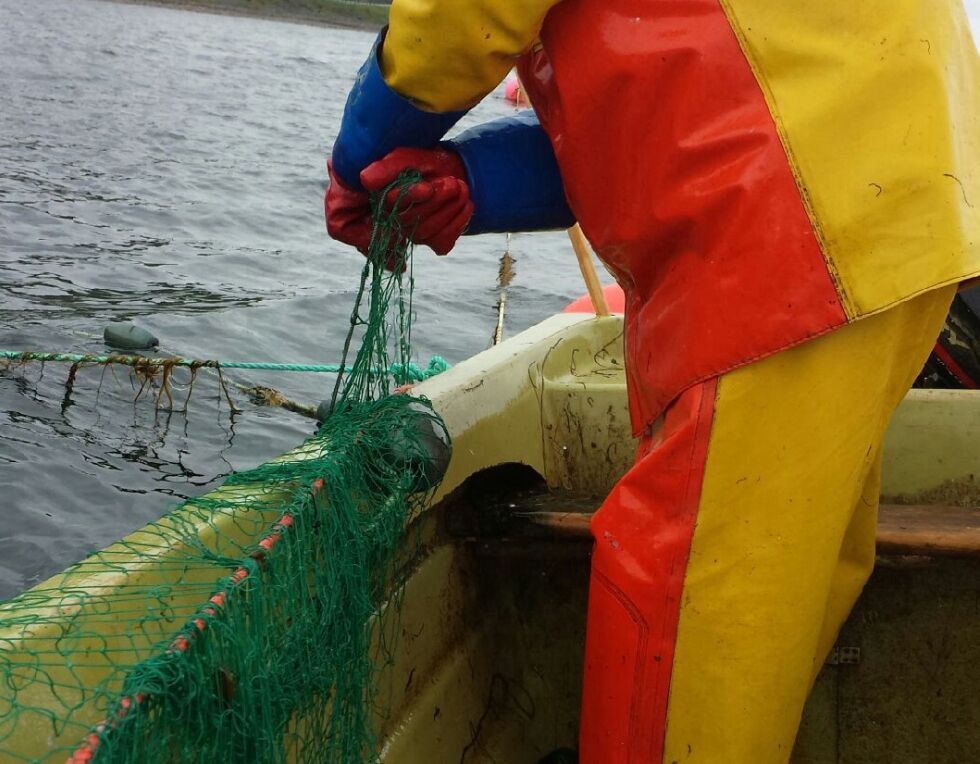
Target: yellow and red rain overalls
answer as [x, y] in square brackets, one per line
[789, 194]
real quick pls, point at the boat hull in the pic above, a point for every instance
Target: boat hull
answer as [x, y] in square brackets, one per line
[489, 637]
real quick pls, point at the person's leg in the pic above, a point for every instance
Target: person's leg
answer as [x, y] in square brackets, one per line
[643, 535]
[728, 557]
[854, 564]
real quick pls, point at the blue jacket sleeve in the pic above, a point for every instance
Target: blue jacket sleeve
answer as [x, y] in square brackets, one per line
[377, 120]
[513, 176]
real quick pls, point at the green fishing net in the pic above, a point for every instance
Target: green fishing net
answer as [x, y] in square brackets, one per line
[248, 625]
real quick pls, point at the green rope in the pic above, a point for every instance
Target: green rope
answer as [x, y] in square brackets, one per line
[411, 372]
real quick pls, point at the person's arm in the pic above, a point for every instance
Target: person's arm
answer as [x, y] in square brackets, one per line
[436, 60]
[513, 178]
[447, 55]
[499, 176]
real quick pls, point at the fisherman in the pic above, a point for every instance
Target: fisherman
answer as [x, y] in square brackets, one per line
[789, 195]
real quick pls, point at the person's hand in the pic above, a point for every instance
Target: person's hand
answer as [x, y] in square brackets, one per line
[350, 220]
[348, 213]
[377, 120]
[433, 211]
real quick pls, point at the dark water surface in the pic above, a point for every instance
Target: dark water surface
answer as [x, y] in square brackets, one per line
[166, 167]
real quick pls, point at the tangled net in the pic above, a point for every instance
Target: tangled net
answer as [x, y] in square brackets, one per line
[247, 625]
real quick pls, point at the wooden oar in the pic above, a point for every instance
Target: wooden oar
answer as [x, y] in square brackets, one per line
[585, 263]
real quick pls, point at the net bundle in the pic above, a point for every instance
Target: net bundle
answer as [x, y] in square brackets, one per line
[247, 625]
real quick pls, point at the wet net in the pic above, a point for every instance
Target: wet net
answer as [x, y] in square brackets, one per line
[248, 625]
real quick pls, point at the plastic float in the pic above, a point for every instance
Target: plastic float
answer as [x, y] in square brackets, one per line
[514, 92]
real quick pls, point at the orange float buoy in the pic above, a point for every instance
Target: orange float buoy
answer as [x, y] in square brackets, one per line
[514, 92]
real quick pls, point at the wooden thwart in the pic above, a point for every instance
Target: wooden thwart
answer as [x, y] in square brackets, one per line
[921, 529]
[929, 529]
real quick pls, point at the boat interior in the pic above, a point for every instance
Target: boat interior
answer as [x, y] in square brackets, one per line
[492, 614]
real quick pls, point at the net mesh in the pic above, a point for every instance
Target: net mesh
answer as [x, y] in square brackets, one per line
[246, 625]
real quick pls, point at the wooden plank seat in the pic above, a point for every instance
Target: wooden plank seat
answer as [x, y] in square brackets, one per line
[929, 529]
[919, 529]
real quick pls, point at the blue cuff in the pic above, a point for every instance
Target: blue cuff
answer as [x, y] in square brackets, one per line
[377, 120]
[513, 176]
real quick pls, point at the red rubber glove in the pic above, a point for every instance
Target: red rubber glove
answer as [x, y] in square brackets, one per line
[435, 210]
[349, 219]
[348, 213]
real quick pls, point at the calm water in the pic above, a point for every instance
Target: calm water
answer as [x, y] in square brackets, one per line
[166, 167]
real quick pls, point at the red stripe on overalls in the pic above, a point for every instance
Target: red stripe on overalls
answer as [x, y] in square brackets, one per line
[643, 535]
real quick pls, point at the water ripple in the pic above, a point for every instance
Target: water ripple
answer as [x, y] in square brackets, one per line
[168, 167]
